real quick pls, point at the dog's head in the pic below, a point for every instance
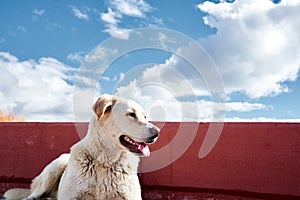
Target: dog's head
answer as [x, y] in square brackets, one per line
[125, 123]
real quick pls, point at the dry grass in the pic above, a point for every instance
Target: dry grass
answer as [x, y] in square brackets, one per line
[10, 117]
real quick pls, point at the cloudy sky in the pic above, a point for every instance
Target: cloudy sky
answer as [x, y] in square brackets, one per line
[253, 45]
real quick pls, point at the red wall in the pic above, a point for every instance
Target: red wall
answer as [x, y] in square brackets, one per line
[250, 160]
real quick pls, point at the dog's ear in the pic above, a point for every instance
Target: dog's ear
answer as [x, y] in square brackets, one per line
[104, 105]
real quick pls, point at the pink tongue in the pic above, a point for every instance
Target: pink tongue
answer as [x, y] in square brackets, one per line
[144, 149]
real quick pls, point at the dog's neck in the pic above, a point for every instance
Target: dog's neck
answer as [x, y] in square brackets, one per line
[101, 148]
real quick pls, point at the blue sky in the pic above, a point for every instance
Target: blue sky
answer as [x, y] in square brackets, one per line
[254, 43]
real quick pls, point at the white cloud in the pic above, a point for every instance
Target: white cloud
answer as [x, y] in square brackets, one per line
[256, 48]
[77, 57]
[135, 8]
[111, 17]
[38, 12]
[39, 90]
[79, 14]
[121, 77]
[170, 92]
[116, 32]
[245, 106]
[174, 76]
[256, 45]
[8, 57]
[117, 9]
[108, 79]
[101, 54]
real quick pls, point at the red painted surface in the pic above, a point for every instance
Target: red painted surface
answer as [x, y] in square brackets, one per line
[250, 160]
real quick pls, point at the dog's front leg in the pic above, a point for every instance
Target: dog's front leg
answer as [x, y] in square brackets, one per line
[46, 184]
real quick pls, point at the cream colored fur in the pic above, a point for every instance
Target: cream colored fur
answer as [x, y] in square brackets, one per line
[99, 166]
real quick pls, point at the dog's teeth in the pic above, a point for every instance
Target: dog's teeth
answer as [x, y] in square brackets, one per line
[129, 140]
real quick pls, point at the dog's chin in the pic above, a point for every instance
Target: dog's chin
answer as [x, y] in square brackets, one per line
[138, 148]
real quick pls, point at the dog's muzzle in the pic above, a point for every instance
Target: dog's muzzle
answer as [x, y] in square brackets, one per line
[137, 147]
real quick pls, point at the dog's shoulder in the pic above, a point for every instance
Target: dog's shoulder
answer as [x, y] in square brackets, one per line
[81, 160]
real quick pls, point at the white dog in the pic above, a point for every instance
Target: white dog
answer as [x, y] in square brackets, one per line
[103, 165]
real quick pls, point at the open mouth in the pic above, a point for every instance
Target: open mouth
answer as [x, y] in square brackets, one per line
[140, 148]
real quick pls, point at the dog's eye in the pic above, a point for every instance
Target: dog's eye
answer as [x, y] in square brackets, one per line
[108, 109]
[132, 114]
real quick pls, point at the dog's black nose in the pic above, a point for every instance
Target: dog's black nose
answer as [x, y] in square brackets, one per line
[154, 130]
